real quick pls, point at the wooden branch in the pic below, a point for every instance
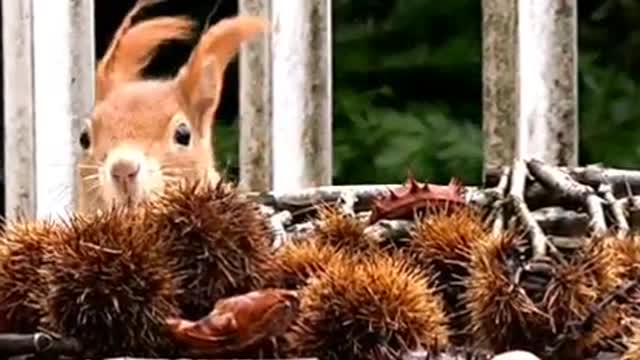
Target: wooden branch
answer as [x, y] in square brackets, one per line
[501, 189]
[631, 208]
[278, 222]
[386, 230]
[558, 181]
[38, 343]
[310, 196]
[363, 195]
[518, 179]
[535, 196]
[302, 228]
[592, 175]
[559, 202]
[347, 202]
[45, 344]
[561, 222]
[595, 174]
[561, 183]
[566, 242]
[451, 354]
[631, 203]
[516, 194]
[267, 210]
[616, 209]
[598, 223]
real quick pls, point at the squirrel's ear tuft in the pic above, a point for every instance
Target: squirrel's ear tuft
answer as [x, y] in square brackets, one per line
[200, 80]
[133, 47]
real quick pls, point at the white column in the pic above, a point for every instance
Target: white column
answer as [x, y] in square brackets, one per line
[19, 152]
[302, 94]
[64, 94]
[547, 39]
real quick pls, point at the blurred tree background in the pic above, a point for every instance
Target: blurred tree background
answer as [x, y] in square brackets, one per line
[408, 83]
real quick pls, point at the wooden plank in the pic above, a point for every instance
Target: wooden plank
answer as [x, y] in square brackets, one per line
[19, 152]
[255, 104]
[64, 94]
[302, 94]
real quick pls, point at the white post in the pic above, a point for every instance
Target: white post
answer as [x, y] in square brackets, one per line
[64, 93]
[255, 105]
[547, 39]
[302, 94]
[19, 155]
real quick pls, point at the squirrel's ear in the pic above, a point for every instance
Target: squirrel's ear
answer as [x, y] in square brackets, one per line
[133, 46]
[200, 80]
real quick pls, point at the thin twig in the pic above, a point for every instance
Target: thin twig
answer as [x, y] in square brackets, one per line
[386, 230]
[616, 209]
[594, 207]
[501, 189]
[347, 202]
[518, 181]
[278, 223]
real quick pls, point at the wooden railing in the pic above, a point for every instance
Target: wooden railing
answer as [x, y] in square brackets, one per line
[529, 93]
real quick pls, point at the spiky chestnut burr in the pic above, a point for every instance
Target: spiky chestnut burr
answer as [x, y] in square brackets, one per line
[110, 285]
[294, 264]
[502, 313]
[22, 253]
[442, 244]
[631, 341]
[378, 309]
[586, 299]
[342, 231]
[298, 260]
[219, 239]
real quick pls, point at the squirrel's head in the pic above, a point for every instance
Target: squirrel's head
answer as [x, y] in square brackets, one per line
[144, 133]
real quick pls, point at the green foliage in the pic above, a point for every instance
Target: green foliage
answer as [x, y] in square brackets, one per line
[407, 89]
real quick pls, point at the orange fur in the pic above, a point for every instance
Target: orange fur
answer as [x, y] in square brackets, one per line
[135, 122]
[133, 46]
[200, 80]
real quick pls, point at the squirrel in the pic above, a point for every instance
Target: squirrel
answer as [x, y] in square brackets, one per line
[145, 133]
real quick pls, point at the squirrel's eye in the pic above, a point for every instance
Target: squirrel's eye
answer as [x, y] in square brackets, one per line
[182, 135]
[84, 140]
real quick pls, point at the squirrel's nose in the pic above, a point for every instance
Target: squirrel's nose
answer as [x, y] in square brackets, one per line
[125, 170]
